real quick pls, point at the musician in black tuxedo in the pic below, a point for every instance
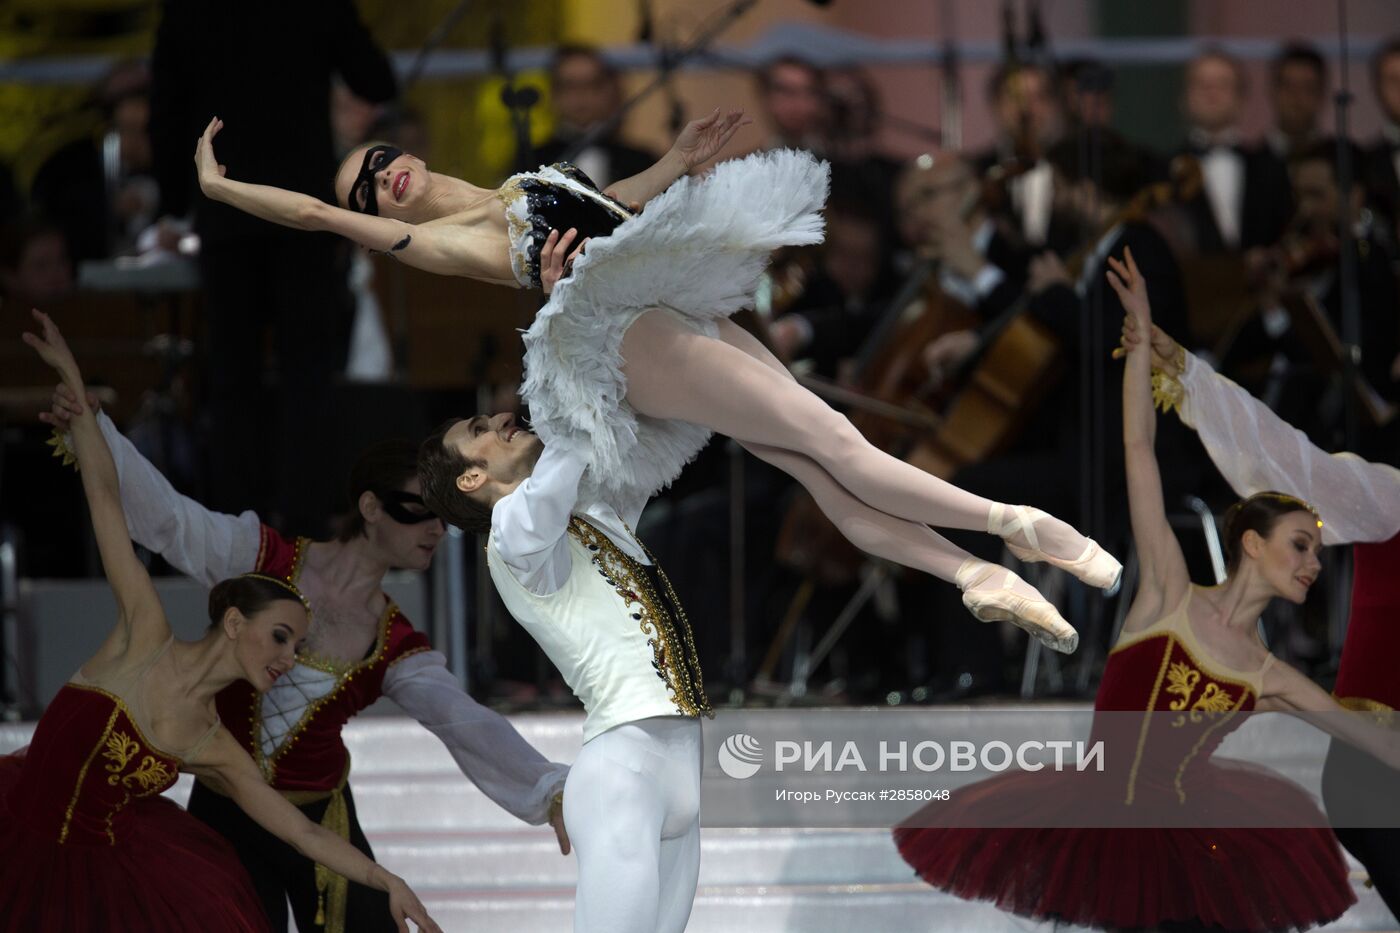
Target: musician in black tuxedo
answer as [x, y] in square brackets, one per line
[1301, 394]
[265, 67]
[844, 292]
[1297, 92]
[1026, 104]
[1246, 199]
[584, 91]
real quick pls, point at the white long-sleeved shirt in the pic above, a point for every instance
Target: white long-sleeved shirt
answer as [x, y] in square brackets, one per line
[212, 546]
[1256, 450]
[529, 526]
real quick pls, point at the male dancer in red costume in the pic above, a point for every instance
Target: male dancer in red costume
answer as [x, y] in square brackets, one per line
[359, 647]
[1255, 450]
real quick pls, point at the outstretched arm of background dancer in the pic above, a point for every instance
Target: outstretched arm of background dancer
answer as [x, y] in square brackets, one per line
[1256, 450]
[1164, 575]
[441, 248]
[1286, 690]
[228, 764]
[700, 141]
[141, 621]
[207, 545]
[487, 748]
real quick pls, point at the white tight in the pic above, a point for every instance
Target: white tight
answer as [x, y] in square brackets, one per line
[734, 386]
[632, 809]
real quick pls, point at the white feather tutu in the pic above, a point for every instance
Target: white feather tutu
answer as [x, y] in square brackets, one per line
[697, 251]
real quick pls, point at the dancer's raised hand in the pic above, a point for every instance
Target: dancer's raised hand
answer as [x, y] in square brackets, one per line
[555, 258]
[53, 349]
[702, 139]
[1167, 354]
[1131, 288]
[66, 406]
[210, 171]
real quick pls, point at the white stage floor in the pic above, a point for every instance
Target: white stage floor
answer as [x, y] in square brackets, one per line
[479, 870]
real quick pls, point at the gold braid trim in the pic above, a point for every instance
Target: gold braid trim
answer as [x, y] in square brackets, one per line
[269, 578]
[332, 890]
[62, 450]
[1381, 713]
[1167, 391]
[674, 657]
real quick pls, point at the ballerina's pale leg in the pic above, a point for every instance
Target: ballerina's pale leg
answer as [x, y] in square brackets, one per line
[728, 386]
[991, 592]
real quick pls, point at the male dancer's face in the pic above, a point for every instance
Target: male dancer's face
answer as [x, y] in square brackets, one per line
[405, 545]
[508, 451]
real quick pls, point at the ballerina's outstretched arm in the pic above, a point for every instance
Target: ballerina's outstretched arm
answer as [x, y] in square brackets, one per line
[1284, 689]
[442, 248]
[1164, 574]
[228, 764]
[700, 141]
[141, 623]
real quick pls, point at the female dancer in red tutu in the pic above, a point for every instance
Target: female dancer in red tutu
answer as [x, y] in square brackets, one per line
[86, 841]
[1190, 657]
[634, 360]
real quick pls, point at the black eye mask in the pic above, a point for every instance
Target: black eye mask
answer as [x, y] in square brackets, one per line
[394, 501]
[376, 157]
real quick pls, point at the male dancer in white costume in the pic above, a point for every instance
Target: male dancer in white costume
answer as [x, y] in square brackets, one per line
[573, 574]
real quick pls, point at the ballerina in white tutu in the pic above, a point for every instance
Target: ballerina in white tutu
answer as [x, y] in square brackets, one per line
[634, 358]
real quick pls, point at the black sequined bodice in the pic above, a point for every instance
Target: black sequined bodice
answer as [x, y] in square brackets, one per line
[558, 197]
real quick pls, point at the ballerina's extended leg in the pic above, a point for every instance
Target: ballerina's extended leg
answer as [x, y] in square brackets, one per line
[726, 385]
[990, 592]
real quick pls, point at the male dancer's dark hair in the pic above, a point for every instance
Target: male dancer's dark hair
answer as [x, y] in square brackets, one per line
[438, 469]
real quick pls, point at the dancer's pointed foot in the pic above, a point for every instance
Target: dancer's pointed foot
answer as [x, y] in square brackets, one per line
[1055, 542]
[994, 594]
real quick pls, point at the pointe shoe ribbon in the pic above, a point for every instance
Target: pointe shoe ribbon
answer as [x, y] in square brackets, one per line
[1002, 604]
[1095, 566]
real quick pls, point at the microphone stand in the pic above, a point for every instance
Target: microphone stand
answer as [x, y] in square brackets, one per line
[517, 99]
[666, 67]
[434, 40]
[950, 104]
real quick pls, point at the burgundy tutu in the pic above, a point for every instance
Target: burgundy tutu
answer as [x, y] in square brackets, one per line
[1233, 878]
[1078, 847]
[88, 844]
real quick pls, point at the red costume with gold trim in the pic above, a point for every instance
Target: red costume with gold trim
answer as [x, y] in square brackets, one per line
[293, 731]
[1079, 872]
[87, 842]
[1366, 678]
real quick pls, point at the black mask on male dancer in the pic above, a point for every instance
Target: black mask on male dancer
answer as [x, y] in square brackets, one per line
[363, 192]
[394, 500]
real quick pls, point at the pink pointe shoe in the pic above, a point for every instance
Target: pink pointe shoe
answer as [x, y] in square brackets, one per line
[1095, 566]
[990, 601]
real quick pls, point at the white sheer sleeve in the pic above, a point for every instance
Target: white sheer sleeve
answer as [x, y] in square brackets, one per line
[1256, 450]
[209, 546]
[488, 749]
